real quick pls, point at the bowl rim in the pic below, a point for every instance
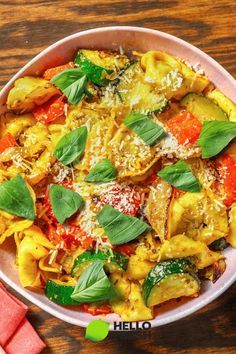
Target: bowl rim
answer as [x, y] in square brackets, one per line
[30, 296]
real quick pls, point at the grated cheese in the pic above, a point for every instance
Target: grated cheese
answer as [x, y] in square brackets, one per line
[172, 80]
[170, 148]
[19, 162]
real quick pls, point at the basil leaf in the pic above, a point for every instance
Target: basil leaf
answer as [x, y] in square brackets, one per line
[15, 198]
[144, 127]
[181, 177]
[95, 73]
[120, 228]
[71, 146]
[103, 171]
[73, 83]
[93, 285]
[65, 202]
[215, 136]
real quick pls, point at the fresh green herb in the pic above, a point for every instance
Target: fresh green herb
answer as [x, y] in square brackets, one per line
[71, 146]
[65, 202]
[120, 228]
[215, 136]
[117, 261]
[181, 177]
[15, 198]
[93, 285]
[144, 127]
[94, 73]
[73, 83]
[103, 171]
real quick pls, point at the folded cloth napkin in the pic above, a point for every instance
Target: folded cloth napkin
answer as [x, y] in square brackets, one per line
[17, 336]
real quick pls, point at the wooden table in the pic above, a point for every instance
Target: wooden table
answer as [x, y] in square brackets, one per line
[27, 27]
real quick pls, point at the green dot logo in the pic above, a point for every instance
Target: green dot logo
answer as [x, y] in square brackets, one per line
[97, 330]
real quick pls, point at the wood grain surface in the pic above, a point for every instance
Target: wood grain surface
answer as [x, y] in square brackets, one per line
[27, 27]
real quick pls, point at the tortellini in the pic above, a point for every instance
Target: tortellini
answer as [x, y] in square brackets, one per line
[201, 216]
[181, 246]
[28, 92]
[171, 75]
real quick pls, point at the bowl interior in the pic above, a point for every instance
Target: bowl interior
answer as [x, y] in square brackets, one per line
[127, 39]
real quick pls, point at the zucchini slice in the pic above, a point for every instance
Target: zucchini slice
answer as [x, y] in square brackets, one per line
[60, 293]
[136, 93]
[203, 108]
[169, 280]
[224, 103]
[117, 262]
[219, 245]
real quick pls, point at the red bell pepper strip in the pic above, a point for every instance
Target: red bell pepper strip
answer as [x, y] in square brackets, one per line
[49, 111]
[65, 237]
[151, 179]
[7, 141]
[185, 127]
[227, 170]
[125, 249]
[101, 310]
[50, 73]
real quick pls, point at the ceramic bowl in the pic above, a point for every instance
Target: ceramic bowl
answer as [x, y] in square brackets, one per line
[142, 40]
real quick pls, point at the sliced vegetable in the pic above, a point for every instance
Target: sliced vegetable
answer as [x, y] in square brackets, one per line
[50, 73]
[29, 92]
[180, 176]
[59, 292]
[87, 60]
[93, 285]
[65, 202]
[73, 83]
[224, 102]
[7, 141]
[227, 170]
[103, 171]
[49, 111]
[203, 108]
[15, 198]
[114, 262]
[125, 249]
[68, 237]
[97, 310]
[215, 136]
[219, 245]
[120, 228]
[137, 94]
[169, 280]
[144, 127]
[71, 146]
[185, 127]
[213, 272]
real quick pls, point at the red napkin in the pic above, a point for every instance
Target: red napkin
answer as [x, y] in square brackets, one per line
[25, 340]
[17, 336]
[11, 314]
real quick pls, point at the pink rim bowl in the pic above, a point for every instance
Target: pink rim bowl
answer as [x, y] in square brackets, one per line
[142, 40]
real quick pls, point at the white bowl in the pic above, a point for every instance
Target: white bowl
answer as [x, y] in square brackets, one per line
[142, 40]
